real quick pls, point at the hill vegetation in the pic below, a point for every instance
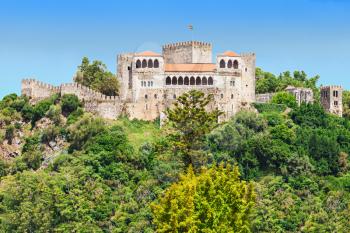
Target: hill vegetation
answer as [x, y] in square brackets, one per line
[284, 168]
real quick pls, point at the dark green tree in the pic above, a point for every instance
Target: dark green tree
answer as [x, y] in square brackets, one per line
[96, 76]
[192, 121]
[69, 103]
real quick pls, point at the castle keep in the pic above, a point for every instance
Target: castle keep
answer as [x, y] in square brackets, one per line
[151, 82]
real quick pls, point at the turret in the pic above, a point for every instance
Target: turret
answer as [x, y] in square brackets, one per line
[332, 99]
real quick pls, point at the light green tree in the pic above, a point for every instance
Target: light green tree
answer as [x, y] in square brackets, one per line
[216, 200]
[284, 98]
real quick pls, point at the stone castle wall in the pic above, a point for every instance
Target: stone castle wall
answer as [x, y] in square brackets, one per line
[38, 90]
[108, 107]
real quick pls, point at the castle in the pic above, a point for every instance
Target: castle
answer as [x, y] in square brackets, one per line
[151, 82]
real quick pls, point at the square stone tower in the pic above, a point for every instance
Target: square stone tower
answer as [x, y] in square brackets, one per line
[332, 99]
[187, 52]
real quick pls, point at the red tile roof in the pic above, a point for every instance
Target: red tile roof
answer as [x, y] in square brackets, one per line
[148, 54]
[230, 54]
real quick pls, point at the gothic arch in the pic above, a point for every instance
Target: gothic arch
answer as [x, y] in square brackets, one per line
[150, 63]
[204, 81]
[156, 63]
[186, 81]
[138, 64]
[229, 64]
[168, 81]
[192, 81]
[144, 63]
[222, 63]
[235, 64]
[198, 81]
[210, 81]
[180, 81]
[174, 81]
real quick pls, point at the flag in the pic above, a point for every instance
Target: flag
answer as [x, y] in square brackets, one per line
[190, 27]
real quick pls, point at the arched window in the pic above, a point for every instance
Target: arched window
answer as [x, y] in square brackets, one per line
[149, 83]
[192, 81]
[229, 64]
[144, 63]
[231, 96]
[146, 96]
[210, 81]
[150, 63]
[222, 63]
[156, 63]
[174, 96]
[141, 83]
[138, 64]
[180, 81]
[235, 64]
[174, 81]
[155, 96]
[198, 81]
[222, 96]
[204, 81]
[186, 81]
[168, 81]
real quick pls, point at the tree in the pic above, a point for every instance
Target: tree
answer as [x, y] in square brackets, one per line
[70, 103]
[97, 77]
[192, 122]
[346, 104]
[84, 129]
[284, 98]
[269, 83]
[214, 201]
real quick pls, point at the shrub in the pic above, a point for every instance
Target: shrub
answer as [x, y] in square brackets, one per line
[82, 130]
[10, 133]
[284, 98]
[70, 103]
[268, 107]
[50, 134]
[54, 114]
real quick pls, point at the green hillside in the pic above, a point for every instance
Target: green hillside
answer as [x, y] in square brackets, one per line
[282, 168]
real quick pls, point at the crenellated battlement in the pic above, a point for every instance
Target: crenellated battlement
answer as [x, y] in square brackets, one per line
[331, 87]
[39, 84]
[186, 43]
[94, 101]
[247, 54]
[187, 52]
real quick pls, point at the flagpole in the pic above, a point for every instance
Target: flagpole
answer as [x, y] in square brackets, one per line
[190, 27]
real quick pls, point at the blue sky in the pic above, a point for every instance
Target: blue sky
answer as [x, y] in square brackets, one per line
[47, 39]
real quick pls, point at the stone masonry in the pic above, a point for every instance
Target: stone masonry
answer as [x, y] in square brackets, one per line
[151, 82]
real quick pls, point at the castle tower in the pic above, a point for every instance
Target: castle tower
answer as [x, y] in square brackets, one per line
[124, 74]
[187, 52]
[331, 99]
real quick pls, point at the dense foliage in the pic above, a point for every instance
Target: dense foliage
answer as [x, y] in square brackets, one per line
[192, 122]
[69, 171]
[96, 76]
[213, 201]
[270, 83]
